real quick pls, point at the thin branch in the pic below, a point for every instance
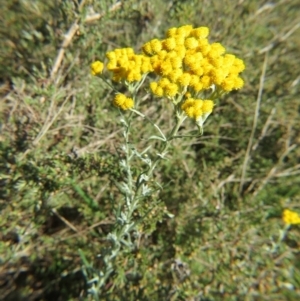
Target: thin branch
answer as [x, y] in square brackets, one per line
[94, 145]
[66, 42]
[279, 39]
[250, 142]
[273, 173]
[47, 125]
[71, 33]
[65, 221]
[265, 129]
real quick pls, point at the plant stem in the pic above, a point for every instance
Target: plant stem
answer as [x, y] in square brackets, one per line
[121, 233]
[161, 155]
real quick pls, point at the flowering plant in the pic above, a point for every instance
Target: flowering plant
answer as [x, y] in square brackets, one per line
[191, 73]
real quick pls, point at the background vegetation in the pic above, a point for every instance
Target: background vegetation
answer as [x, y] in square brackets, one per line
[59, 139]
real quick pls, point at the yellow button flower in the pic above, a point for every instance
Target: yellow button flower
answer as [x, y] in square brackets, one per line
[200, 32]
[191, 43]
[156, 45]
[184, 79]
[123, 102]
[198, 109]
[208, 106]
[171, 32]
[169, 44]
[184, 30]
[147, 48]
[97, 67]
[290, 217]
[171, 90]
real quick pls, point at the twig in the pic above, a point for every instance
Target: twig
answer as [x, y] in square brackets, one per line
[295, 170]
[66, 42]
[273, 173]
[71, 32]
[46, 126]
[258, 101]
[279, 39]
[96, 144]
[65, 221]
[95, 17]
[264, 130]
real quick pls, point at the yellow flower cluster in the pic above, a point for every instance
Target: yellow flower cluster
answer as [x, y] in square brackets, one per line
[186, 63]
[123, 102]
[290, 217]
[186, 59]
[126, 65]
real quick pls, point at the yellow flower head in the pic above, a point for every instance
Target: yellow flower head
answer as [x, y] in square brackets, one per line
[134, 75]
[146, 65]
[171, 90]
[184, 79]
[175, 74]
[169, 44]
[228, 60]
[165, 68]
[180, 51]
[208, 106]
[191, 43]
[206, 81]
[290, 217]
[171, 32]
[193, 108]
[111, 55]
[123, 102]
[156, 89]
[147, 49]
[164, 88]
[179, 39]
[217, 75]
[164, 82]
[189, 60]
[200, 32]
[97, 67]
[156, 46]
[184, 30]
[216, 49]
[203, 46]
[176, 62]
[232, 82]
[198, 109]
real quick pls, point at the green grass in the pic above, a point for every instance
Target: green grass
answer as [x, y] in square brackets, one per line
[59, 140]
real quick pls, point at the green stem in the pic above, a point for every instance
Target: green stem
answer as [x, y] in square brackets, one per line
[120, 233]
[165, 146]
[129, 174]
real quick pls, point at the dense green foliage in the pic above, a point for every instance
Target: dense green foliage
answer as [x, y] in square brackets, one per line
[59, 139]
